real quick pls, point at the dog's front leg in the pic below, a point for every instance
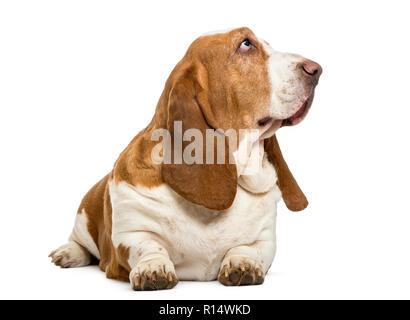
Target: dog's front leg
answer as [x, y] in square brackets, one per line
[247, 265]
[151, 268]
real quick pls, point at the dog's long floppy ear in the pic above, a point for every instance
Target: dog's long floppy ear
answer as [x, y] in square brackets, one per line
[293, 196]
[210, 185]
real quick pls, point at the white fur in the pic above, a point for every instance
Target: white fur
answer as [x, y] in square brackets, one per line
[158, 264]
[81, 235]
[262, 180]
[71, 255]
[257, 175]
[248, 154]
[158, 224]
[289, 90]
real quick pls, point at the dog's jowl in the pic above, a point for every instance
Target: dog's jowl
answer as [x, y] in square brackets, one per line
[203, 214]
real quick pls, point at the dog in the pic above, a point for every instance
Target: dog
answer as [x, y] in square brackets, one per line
[154, 223]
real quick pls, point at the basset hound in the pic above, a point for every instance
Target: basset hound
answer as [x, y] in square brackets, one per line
[153, 223]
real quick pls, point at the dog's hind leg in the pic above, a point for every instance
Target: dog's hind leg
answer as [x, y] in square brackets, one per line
[71, 255]
[80, 249]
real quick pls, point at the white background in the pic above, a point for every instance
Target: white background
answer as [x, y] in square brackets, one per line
[79, 79]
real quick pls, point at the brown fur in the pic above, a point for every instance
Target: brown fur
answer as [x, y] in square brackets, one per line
[209, 88]
[210, 185]
[293, 196]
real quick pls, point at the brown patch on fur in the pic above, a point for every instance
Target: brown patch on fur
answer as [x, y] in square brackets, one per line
[135, 166]
[293, 196]
[210, 185]
[97, 206]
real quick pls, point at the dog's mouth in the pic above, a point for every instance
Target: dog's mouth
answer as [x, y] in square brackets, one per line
[299, 115]
[293, 120]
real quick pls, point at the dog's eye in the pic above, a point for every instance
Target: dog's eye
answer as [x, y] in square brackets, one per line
[245, 46]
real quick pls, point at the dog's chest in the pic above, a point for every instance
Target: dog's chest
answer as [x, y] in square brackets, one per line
[200, 238]
[196, 238]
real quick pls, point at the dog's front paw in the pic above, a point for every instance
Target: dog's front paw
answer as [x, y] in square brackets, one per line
[153, 274]
[240, 271]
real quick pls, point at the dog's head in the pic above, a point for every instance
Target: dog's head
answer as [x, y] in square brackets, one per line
[234, 80]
